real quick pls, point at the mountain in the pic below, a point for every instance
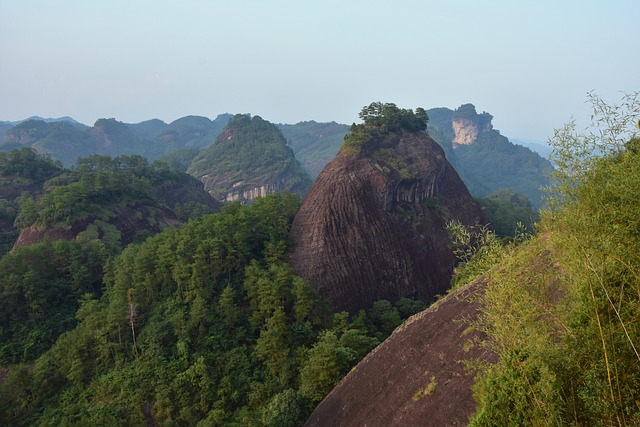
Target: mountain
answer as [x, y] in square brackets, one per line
[67, 140]
[187, 132]
[486, 160]
[4, 127]
[314, 144]
[249, 159]
[373, 225]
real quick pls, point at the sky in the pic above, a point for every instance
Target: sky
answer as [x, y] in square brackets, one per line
[529, 63]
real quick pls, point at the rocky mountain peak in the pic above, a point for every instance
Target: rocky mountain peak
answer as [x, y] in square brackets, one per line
[373, 224]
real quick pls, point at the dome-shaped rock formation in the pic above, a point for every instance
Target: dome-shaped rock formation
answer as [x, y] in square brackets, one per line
[373, 224]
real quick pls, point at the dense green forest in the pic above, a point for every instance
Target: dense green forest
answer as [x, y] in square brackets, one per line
[509, 213]
[562, 310]
[199, 324]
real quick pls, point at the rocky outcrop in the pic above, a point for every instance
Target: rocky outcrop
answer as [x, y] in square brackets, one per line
[467, 124]
[467, 131]
[418, 375]
[373, 225]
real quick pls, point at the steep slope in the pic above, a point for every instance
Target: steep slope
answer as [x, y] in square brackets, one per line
[194, 132]
[249, 159]
[417, 376]
[373, 225]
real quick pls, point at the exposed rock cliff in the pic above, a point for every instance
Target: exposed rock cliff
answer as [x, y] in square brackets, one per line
[373, 224]
[249, 159]
[415, 377]
[467, 124]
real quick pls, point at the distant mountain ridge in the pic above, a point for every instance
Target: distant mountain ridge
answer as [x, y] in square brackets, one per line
[67, 140]
[485, 160]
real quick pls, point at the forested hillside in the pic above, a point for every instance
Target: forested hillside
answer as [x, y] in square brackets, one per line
[205, 323]
[249, 159]
[314, 144]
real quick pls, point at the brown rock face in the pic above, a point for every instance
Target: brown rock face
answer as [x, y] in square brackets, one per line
[373, 225]
[417, 377]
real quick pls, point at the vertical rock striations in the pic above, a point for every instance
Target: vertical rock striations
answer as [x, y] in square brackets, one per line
[373, 224]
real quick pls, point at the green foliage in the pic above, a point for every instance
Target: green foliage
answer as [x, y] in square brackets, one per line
[563, 311]
[509, 213]
[382, 118]
[477, 249]
[28, 165]
[390, 157]
[287, 409]
[384, 316]
[96, 183]
[407, 307]
[511, 394]
[40, 290]
[391, 118]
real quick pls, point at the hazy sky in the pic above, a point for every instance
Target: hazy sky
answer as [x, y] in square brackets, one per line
[528, 63]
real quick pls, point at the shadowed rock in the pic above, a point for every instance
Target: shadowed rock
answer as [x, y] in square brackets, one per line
[373, 225]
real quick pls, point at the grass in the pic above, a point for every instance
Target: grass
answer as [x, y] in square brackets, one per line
[427, 390]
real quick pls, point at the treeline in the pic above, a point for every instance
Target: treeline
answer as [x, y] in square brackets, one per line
[379, 119]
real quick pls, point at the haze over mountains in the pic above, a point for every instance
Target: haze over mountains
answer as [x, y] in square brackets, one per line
[485, 160]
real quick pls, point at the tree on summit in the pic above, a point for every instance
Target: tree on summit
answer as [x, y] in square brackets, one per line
[380, 118]
[391, 118]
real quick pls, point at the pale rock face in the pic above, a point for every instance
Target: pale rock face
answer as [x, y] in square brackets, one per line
[249, 194]
[467, 131]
